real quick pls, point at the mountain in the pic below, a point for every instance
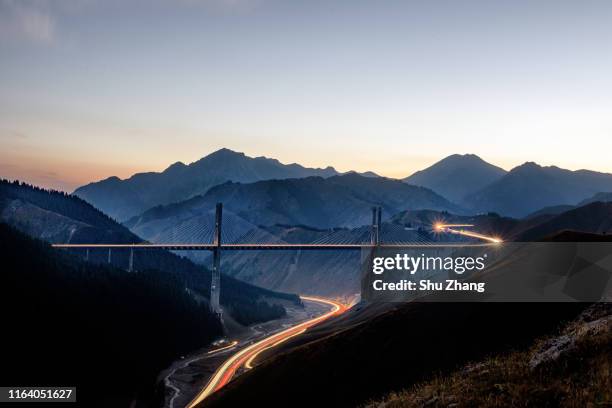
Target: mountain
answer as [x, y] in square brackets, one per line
[558, 209]
[122, 199]
[603, 197]
[338, 201]
[592, 218]
[457, 176]
[576, 236]
[551, 210]
[58, 217]
[530, 187]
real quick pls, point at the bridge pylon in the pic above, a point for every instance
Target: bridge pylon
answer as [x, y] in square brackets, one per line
[215, 282]
[375, 230]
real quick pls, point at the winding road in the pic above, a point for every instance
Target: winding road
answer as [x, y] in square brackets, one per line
[247, 355]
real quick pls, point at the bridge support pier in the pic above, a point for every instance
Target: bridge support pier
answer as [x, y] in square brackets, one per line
[131, 261]
[215, 282]
[109, 255]
[87, 255]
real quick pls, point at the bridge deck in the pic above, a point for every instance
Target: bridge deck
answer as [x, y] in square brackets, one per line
[259, 247]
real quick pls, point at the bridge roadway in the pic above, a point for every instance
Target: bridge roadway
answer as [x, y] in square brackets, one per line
[258, 247]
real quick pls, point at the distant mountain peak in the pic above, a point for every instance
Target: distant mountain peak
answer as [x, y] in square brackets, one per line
[457, 176]
[466, 156]
[529, 165]
[111, 179]
[221, 154]
[176, 166]
[225, 150]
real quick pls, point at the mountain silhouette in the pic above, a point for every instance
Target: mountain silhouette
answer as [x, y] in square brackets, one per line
[457, 176]
[531, 187]
[122, 199]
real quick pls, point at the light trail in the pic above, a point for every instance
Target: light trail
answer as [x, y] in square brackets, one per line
[451, 229]
[229, 346]
[226, 371]
[249, 363]
[441, 226]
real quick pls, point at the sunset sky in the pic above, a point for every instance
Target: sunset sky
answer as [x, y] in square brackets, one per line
[90, 89]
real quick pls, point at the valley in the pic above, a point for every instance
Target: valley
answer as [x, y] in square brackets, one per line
[186, 385]
[268, 333]
[317, 204]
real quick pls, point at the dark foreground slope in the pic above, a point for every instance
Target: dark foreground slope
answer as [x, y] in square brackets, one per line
[96, 327]
[569, 369]
[62, 218]
[349, 366]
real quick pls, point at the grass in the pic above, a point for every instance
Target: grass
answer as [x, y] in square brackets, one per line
[580, 377]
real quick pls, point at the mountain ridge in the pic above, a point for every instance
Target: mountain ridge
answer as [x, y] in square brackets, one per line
[124, 198]
[530, 187]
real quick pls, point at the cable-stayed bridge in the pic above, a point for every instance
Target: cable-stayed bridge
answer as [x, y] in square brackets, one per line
[215, 232]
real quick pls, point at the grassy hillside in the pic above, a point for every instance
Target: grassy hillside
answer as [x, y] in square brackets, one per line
[570, 369]
[358, 362]
[93, 326]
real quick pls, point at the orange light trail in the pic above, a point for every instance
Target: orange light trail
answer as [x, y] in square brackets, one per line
[451, 229]
[229, 346]
[249, 362]
[226, 371]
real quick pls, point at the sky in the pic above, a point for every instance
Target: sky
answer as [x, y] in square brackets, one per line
[90, 89]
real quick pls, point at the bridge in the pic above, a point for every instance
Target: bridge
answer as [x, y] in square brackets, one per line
[360, 238]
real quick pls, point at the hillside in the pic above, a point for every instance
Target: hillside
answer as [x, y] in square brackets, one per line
[337, 273]
[566, 369]
[61, 218]
[338, 201]
[83, 324]
[603, 197]
[530, 187]
[457, 176]
[552, 210]
[123, 199]
[323, 273]
[592, 218]
[352, 362]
